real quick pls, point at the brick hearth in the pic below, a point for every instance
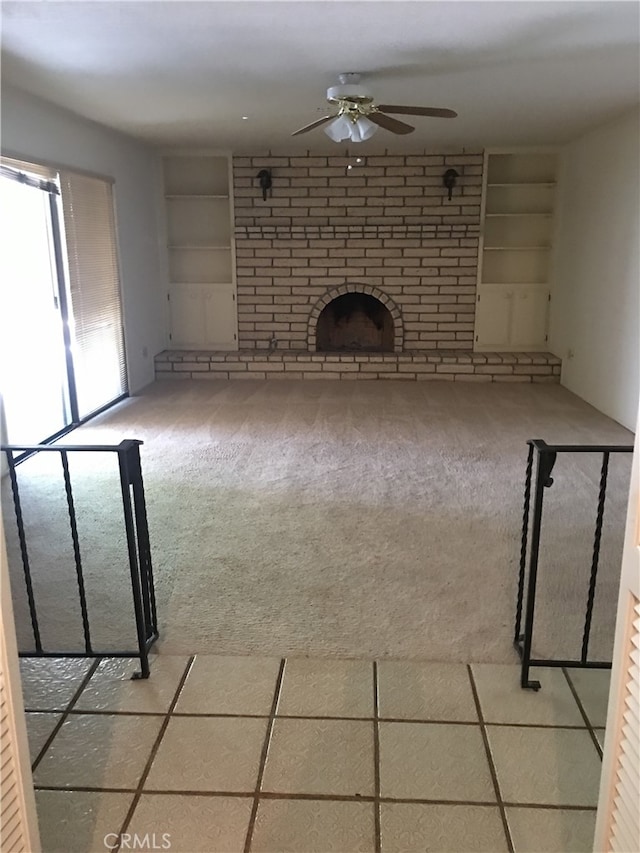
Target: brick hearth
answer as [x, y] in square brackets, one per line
[293, 364]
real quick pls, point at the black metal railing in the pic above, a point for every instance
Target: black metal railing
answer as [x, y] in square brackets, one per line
[137, 545]
[546, 456]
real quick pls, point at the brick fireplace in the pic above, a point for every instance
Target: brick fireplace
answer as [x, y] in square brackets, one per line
[384, 230]
[386, 224]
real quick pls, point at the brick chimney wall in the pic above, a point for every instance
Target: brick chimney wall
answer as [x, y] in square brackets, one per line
[386, 224]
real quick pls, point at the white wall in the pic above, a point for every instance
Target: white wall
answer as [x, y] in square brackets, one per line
[33, 129]
[595, 307]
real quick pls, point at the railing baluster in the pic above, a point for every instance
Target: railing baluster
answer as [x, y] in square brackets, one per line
[542, 479]
[523, 545]
[23, 550]
[602, 494]
[144, 548]
[76, 552]
[125, 482]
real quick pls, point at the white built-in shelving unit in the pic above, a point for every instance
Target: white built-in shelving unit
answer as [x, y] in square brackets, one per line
[513, 294]
[202, 288]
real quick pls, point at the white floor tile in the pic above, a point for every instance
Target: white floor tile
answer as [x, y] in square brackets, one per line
[313, 826]
[208, 754]
[39, 727]
[111, 687]
[545, 766]
[320, 757]
[425, 691]
[229, 685]
[592, 686]
[80, 821]
[416, 828]
[551, 830]
[502, 700]
[434, 762]
[327, 688]
[98, 751]
[49, 684]
[193, 824]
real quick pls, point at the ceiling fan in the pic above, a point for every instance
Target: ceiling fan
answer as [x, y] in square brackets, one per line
[358, 118]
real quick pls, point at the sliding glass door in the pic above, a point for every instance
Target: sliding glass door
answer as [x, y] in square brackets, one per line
[33, 374]
[62, 354]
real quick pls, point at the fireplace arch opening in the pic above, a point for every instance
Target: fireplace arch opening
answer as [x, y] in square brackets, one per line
[356, 322]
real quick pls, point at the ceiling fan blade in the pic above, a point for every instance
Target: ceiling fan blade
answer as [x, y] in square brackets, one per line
[389, 123]
[313, 124]
[417, 111]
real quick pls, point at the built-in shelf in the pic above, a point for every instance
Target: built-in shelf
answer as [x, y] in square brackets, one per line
[194, 195]
[189, 283]
[202, 289]
[514, 283]
[522, 184]
[514, 248]
[516, 238]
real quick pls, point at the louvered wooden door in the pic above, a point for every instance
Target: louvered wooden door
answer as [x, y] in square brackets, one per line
[18, 823]
[618, 823]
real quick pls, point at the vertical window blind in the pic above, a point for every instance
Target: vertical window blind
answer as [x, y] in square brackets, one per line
[94, 284]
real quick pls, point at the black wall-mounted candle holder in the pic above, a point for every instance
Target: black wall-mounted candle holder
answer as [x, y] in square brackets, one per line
[449, 180]
[264, 176]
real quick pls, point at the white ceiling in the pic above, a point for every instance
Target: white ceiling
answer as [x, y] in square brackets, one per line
[184, 73]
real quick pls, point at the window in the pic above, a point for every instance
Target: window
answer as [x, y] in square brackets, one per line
[96, 330]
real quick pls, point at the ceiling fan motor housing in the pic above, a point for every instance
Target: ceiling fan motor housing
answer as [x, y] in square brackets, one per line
[350, 89]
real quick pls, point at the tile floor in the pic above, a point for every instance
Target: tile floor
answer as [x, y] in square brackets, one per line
[255, 754]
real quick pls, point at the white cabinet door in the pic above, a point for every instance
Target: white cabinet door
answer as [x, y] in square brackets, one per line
[187, 315]
[220, 316]
[493, 316]
[512, 317]
[203, 316]
[529, 317]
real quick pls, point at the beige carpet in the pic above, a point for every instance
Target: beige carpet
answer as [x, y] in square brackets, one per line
[365, 519]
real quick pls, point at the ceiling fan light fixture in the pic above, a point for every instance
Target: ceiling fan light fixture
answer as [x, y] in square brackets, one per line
[364, 128]
[339, 129]
[343, 128]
